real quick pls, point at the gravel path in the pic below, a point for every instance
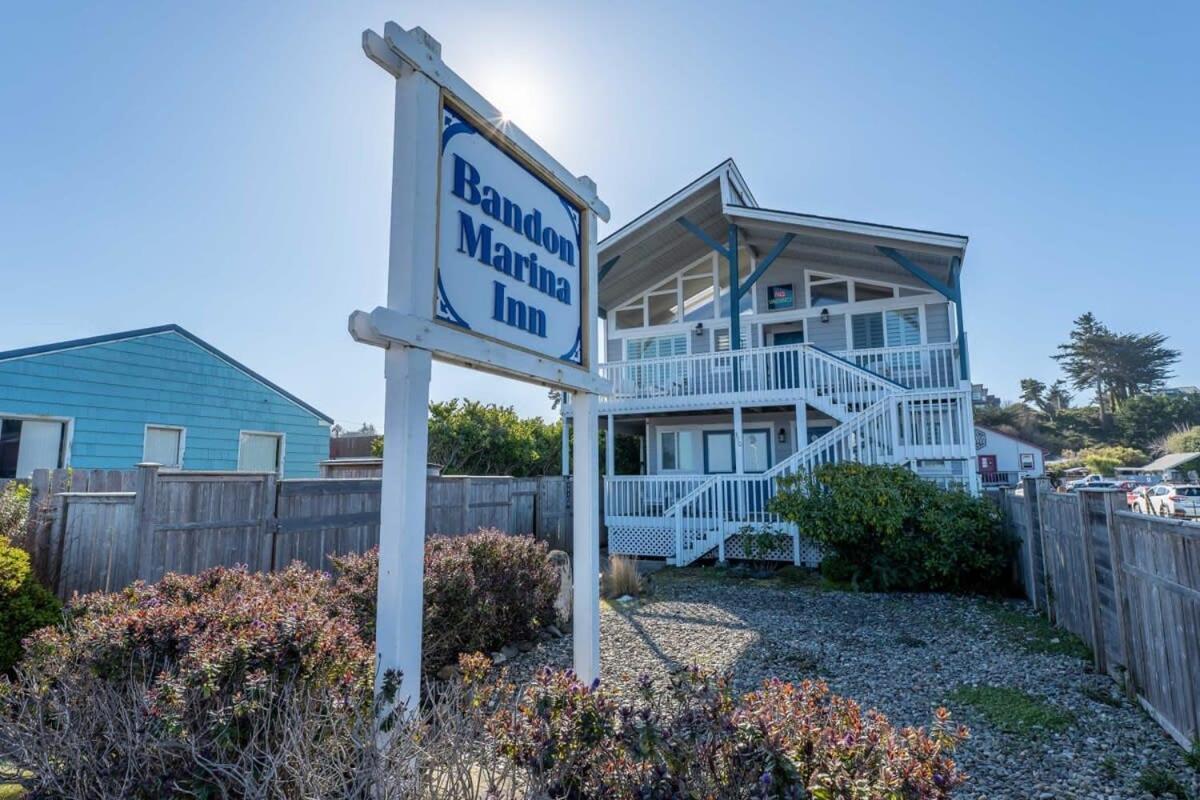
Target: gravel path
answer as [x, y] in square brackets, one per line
[902, 654]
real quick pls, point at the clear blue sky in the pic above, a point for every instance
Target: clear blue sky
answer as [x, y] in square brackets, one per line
[226, 165]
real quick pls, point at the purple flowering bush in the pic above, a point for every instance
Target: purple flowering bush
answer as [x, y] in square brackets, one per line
[698, 740]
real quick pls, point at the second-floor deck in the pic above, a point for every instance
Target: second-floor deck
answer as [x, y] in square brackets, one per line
[784, 374]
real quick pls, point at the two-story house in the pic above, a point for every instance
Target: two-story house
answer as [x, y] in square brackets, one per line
[746, 343]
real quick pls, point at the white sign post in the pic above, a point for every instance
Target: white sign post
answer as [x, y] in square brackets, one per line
[492, 266]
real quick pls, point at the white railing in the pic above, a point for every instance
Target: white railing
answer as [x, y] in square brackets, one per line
[927, 366]
[646, 495]
[794, 372]
[899, 428]
[991, 480]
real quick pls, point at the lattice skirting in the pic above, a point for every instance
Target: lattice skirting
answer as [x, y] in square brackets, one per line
[647, 540]
[641, 540]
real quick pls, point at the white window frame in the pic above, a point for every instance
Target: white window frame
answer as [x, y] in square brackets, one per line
[277, 434]
[663, 434]
[68, 424]
[161, 427]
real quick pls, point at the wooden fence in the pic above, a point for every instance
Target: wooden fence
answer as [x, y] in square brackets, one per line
[1127, 584]
[103, 529]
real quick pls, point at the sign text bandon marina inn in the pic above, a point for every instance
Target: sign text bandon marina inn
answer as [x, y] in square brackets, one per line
[509, 249]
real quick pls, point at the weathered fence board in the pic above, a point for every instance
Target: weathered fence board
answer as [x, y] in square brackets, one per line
[97, 552]
[171, 521]
[1160, 574]
[1069, 595]
[323, 517]
[1128, 584]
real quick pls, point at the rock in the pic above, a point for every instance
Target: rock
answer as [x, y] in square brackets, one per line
[562, 602]
[554, 631]
[509, 651]
[525, 646]
[625, 600]
[499, 658]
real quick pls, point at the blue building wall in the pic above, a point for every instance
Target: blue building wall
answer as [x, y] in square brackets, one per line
[113, 389]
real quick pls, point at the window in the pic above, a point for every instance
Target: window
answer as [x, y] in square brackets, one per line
[1027, 461]
[656, 347]
[163, 445]
[668, 448]
[903, 327]
[29, 444]
[664, 308]
[864, 292]
[631, 316]
[867, 330]
[721, 339]
[826, 292]
[745, 267]
[697, 285]
[260, 452]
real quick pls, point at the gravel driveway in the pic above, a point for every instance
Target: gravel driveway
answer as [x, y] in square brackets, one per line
[905, 655]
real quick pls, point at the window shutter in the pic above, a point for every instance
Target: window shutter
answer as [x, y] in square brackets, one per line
[903, 327]
[867, 330]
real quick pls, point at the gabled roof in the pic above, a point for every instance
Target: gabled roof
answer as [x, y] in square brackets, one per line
[1170, 461]
[74, 344]
[651, 246]
[1037, 447]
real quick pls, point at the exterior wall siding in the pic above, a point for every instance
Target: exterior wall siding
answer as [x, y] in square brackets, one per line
[112, 390]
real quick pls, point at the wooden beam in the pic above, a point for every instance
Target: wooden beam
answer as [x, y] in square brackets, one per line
[702, 235]
[780, 246]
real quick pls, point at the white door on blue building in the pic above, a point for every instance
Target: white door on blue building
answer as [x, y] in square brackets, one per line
[260, 452]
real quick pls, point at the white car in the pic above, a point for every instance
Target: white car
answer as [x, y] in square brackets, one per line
[1174, 500]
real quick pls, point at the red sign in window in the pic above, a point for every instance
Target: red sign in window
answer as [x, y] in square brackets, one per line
[987, 464]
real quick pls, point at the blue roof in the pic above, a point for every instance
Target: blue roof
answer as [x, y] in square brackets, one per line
[114, 337]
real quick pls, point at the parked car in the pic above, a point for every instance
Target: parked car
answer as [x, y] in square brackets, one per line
[1136, 498]
[1175, 500]
[1108, 486]
[1086, 482]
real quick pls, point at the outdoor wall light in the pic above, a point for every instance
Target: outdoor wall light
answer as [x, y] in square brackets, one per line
[699, 329]
[782, 437]
[824, 315]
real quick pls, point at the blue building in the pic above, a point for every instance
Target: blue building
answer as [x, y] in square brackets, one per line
[156, 394]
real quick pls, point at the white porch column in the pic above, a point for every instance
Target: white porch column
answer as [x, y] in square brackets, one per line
[586, 538]
[801, 428]
[566, 446]
[610, 449]
[739, 460]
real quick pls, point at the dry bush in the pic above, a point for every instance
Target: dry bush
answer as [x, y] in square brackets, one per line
[621, 577]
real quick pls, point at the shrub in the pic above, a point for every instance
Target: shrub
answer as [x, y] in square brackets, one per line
[884, 528]
[699, 740]
[86, 738]
[482, 591]
[14, 512]
[1185, 441]
[25, 605]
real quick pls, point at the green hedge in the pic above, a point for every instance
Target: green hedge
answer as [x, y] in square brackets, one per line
[883, 528]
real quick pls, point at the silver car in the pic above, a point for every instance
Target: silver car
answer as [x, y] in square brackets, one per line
[1174, 500]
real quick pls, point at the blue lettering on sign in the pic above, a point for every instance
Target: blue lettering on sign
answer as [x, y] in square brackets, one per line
[466, 187]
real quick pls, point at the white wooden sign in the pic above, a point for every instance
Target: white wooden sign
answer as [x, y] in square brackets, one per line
[510, 251]
[492, 265]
